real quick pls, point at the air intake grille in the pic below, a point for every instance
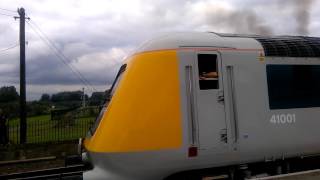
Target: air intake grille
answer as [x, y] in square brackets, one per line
[291, 46]
[286, 46]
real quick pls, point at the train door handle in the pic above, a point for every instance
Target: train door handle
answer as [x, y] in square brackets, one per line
[220, 97]
[223, 136]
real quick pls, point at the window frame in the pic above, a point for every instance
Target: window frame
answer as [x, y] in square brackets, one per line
[217, 79]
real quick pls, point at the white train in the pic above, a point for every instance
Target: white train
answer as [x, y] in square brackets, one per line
[191, 105]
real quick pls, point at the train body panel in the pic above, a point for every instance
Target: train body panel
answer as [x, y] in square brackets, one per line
[153, 76]
[166, 116]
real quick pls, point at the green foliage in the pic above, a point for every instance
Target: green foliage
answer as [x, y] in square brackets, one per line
[8, 94]
[9, 102]
[42, 129]
[97, 98]
[45, 97]
[10, 109]
[67, 96]
[71, 125]
[36, 108]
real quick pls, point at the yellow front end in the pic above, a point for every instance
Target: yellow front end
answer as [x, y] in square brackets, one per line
[144, 113]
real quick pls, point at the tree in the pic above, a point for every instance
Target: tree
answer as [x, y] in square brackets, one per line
[97, 98]
[9, 101]
[67, 99]
[8, 94]
[36, 108]
[67, 96]
[45, 97]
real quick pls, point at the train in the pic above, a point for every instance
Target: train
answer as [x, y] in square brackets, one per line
[187, 105]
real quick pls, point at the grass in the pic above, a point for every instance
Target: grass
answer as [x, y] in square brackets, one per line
[43, 129]
[31, 120]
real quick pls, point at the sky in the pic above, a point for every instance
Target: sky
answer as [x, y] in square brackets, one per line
[96, 35]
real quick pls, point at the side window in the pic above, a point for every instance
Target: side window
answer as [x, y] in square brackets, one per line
[293, 86]
[208, 71]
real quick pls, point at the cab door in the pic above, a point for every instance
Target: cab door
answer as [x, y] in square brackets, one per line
[210, 101]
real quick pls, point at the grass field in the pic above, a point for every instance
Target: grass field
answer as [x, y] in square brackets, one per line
[43, 129]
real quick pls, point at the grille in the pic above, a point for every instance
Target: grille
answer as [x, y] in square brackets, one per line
[286, 46]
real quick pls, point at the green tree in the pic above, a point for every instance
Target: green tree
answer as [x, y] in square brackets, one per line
[9, 101]
[67, 96]
[45, 97]
[97, 98]
[8, 94]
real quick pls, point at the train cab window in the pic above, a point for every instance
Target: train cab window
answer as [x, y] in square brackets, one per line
[208, 71]
[109, 96]
[293, 86]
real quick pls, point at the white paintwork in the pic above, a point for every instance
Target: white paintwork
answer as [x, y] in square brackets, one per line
[198, 39]
[210, 113]
[258, 139]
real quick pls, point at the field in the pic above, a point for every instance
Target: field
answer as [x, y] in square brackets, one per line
[41, 129]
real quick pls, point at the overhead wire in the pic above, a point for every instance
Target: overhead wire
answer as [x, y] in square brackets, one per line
[55, 47]
[7, 10]
[60, 55]
[8, 48]
[4, 14]
[52, 46]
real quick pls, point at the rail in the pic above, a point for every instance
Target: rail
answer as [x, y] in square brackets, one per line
[74, 172]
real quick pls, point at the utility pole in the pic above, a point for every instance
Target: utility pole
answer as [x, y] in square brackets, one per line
[23, 114]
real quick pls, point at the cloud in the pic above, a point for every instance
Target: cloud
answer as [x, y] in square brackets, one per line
[95, 35]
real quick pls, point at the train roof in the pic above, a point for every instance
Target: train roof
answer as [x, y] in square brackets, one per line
[283, 46]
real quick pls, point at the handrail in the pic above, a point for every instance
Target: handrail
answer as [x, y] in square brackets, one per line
[232, 104]
[190, 104]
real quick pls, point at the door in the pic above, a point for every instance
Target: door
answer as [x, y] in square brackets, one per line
[210, 100]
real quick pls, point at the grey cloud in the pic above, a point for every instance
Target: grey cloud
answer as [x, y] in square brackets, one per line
[49, 70]
[78, 35]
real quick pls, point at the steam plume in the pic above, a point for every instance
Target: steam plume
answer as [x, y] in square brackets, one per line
[301, 12]
[238, 21]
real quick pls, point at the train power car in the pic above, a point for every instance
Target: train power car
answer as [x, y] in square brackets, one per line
[187, 104]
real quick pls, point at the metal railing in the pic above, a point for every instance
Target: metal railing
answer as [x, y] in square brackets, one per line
[42, 129]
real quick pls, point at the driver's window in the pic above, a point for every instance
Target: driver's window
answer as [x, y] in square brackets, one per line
[208, 71]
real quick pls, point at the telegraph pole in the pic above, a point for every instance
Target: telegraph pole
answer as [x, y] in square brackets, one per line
[23, 114]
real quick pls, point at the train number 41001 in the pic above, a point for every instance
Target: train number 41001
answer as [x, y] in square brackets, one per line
[283, 118]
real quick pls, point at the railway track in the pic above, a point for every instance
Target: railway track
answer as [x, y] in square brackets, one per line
[73, 169]
[75, 172]
[68, 172]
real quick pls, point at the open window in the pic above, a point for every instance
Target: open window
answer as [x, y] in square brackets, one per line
[208, 71]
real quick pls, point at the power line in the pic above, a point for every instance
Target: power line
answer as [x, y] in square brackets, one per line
[3, 14]
[61, 56]
[11, 47]
[57, 54]
[8, 10]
